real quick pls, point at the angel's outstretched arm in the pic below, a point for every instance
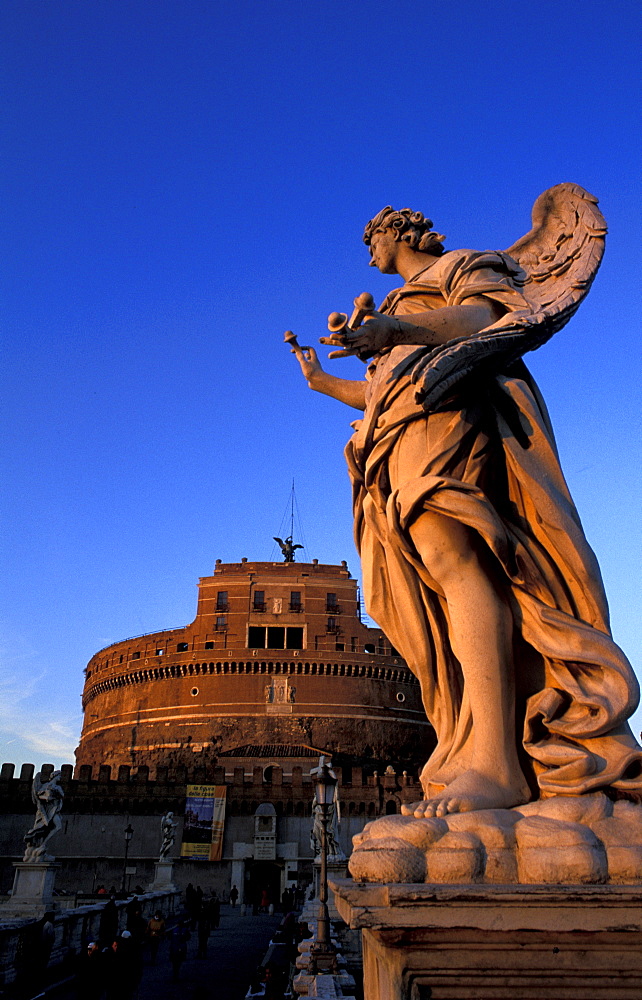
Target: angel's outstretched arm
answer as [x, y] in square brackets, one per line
[346, 391]
[431, 329]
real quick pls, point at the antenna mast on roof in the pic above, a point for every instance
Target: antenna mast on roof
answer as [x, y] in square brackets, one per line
[292, 511]
[287, 545]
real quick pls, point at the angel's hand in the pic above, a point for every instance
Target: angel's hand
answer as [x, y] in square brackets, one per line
[377, 332]
[310, 364]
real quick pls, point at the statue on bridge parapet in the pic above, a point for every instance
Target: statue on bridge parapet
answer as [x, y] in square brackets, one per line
[474, 560]
[168, 834]
[47, 796]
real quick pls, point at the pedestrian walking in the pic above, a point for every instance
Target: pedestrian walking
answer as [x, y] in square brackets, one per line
[214, 908]
[193, 904]
[155, 934]
[178, 948]
[126, 969]
[108, 927]
[234, 895]
[89, 980]
[275, 982]
[203, 930]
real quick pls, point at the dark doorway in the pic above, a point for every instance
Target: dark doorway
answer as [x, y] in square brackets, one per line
[265, 883]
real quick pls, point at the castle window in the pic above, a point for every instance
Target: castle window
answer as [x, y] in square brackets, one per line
[120, 660]
[136, 655]
[221, 601]
[258, 601]
[293, 638]
[194, 692]
[159, 652]
[209, 645]
[369, 647]
[339, 647]
[221, 623]
[332, 625]
[256, 637]
[295, 600]
[401, 697]
[182, 647]
[274, 637]
[331, 605]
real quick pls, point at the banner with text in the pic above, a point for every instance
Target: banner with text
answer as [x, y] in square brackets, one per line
[204, 822]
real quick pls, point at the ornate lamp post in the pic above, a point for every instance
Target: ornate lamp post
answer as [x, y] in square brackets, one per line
[322, 952]
[129, 832]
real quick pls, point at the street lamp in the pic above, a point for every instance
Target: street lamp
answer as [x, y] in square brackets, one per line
[129, 832]
[323, 954]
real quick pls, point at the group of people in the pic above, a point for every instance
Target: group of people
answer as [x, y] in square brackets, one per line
[291, 899]
[112, 966]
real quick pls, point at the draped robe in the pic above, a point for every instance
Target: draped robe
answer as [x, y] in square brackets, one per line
[487, 458]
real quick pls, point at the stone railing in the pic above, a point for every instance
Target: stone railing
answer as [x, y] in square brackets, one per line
[74, 929]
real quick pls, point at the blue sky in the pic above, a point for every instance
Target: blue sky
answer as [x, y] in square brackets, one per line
[183, 181]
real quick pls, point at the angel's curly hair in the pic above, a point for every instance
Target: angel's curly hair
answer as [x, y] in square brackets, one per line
[411, 227]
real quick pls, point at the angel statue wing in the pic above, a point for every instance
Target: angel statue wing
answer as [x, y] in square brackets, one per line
[556, 263]
[36, 789]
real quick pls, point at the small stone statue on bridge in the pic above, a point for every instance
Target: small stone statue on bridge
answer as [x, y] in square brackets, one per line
[333, 822]
[168, 831]
[47, 796]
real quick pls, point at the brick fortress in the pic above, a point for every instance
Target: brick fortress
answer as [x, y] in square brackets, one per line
[276, 668]
[276, 656]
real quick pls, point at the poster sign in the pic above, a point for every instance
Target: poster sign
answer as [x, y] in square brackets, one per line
[204, 822]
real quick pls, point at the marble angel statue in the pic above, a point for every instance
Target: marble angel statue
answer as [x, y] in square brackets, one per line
[47, 796]
[168, 835]
[474, 560]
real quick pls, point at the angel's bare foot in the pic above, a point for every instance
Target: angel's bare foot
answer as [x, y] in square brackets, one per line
[471, 790]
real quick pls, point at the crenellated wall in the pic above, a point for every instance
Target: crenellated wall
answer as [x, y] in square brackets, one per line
[100, 802]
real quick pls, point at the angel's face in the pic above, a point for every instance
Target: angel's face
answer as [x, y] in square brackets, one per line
[383, 250]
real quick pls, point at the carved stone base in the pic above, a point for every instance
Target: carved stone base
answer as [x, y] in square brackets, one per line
[512, 942]
[33, 885]
[586, 840]
[163, 877]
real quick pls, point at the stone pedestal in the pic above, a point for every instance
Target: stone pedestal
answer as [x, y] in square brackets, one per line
[33, 885]
[163, 877]
[505, 941]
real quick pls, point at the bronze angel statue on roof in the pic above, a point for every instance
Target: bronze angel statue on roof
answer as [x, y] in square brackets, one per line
[287, 548]
[473, 556]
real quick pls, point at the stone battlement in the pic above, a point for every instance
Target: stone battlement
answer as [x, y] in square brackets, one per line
[105, 782]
